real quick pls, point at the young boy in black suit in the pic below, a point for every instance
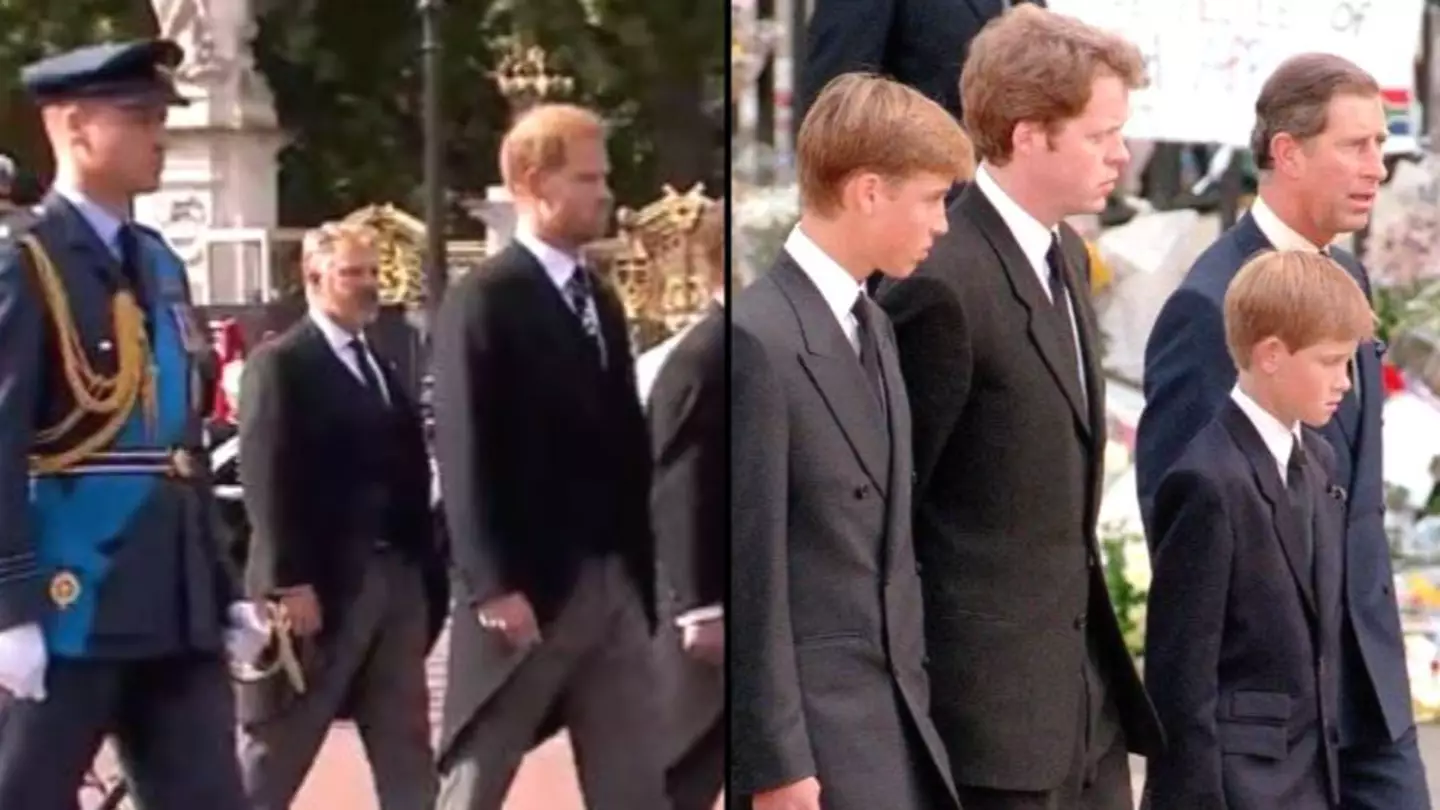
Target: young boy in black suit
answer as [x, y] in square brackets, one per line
[1243, 629]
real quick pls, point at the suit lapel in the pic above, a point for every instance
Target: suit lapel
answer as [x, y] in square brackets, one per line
[835, 370]
[1329, 574]
[1045, 330]
[1267, 478]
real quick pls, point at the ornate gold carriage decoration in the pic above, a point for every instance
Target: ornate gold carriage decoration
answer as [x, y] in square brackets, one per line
[655, 267]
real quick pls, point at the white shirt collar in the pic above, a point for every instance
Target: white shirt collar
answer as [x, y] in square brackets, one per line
[835, 283]
[1274, 229]
[1279, 439]
[335, 334]
[105, 224]
[558, 264]
[1032, 236]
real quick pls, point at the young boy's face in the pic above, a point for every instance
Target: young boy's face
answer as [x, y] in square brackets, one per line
[1310, 383]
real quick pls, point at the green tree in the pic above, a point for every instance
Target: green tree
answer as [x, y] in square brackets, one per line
[348, 90]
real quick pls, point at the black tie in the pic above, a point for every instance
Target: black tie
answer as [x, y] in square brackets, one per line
[869, 348]
[1060, 305]
[131, 267]
[1301, 503]
[367, 371]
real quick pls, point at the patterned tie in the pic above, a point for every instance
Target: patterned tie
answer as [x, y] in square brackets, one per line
[577, 291]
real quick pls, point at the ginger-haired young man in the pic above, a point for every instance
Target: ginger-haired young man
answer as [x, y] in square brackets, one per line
[1243, 626]
[829, 695]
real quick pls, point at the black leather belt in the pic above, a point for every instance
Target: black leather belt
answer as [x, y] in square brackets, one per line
[176, 462]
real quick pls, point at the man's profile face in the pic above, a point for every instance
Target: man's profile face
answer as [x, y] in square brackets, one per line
[1081, 161]
[908, 215]
[574, 200]
[345, 283]
[123, 142]
[1339, 171]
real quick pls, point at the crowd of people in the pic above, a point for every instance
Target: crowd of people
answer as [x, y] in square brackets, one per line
[920, 616]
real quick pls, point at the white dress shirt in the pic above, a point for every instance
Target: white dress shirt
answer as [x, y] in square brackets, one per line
[340, 339]
[1279, 439]
[839, 289]
[1280, 235]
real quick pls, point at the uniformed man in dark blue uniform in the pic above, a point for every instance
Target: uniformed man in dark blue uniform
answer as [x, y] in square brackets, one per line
[115, 605]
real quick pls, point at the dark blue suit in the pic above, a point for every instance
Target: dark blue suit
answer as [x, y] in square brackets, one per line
[122, 570]
[1188, 375]
[1243, 629]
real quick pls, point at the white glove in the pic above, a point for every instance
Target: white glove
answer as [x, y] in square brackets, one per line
[247, 634]
[23, 661]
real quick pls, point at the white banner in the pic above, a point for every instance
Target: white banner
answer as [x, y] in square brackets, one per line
[1207, 59]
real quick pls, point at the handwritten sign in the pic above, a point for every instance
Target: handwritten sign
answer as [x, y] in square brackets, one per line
[1207, 59]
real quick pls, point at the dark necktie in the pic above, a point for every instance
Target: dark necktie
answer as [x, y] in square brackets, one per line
[367, 371]
[132, 267]
[1060, 306]
[577, 292]
[1297, 484]
[869, 348]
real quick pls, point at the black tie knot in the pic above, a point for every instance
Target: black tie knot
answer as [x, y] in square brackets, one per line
[861, 313]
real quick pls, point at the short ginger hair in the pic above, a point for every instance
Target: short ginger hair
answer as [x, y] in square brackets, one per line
[1301, 297]
[540, 139]
[1030, 64]
[865, 123]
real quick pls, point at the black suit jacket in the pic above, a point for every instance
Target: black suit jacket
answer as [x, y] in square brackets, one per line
[826, 631]
[1008, 454]
[1188, 375]
[544, 455]
[688, 420]
[922, 43]
[316, 449]
[1242, 637]
[688, 412]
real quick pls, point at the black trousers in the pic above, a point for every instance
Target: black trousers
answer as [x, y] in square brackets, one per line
[694, 782]
[172, 721]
